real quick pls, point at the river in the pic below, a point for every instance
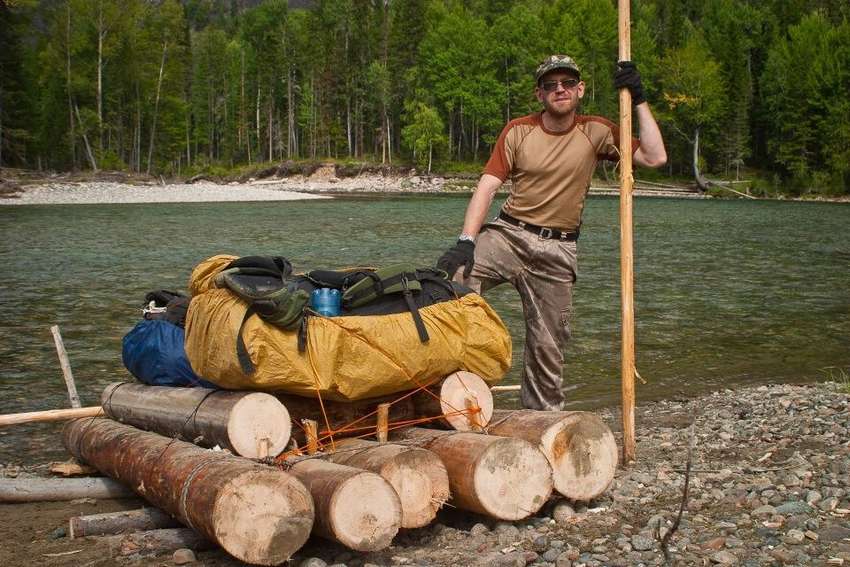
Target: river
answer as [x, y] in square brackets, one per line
[727, 292]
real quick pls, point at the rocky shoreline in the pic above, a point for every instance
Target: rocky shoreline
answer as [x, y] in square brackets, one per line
[277, 185]
[768, 485]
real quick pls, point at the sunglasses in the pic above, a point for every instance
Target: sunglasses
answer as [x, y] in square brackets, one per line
[550, 86]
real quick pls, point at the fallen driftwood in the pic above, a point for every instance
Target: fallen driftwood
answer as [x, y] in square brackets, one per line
[417, 475]
[356, 508]
[502, 477]
[256, 513]
[154, 542]
[463, 398]
[120, 522]
[49, 415]
[251, 424]
[59, 489]
[579, 446]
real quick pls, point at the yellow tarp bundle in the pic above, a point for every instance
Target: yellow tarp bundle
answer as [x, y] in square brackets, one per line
[347, 357]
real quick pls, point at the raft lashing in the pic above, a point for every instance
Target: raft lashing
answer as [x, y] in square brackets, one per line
[259, 493]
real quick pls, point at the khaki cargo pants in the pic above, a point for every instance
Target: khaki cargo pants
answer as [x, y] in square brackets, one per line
[543, 271]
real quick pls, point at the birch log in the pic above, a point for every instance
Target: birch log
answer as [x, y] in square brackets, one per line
[256, 513]
[508, 479]
[118, 522]
[251, 424]
[356, 508]
[417, 475]
[579, 446]
[463, 398]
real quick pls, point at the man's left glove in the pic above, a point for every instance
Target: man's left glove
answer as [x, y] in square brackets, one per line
[461, 254]
[627, 76]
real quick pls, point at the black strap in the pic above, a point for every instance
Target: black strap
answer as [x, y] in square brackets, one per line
[241, 350]
[302, 333]
[414, 312]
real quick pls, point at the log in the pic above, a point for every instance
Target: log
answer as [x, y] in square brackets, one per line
[356, 508]
[251, 424]
[457, 393]
[109, 523]
[508, 479]
[258, 514]
[49, 415]
[154, 542]
[417, 475]
[579, 446]
[347, 419]
[60, 489]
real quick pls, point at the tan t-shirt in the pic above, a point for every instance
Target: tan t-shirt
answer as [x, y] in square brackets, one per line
[551, 171]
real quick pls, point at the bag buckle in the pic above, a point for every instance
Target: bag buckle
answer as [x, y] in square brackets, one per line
[545, 232]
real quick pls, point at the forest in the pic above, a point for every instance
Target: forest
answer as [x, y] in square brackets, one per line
[755, 89]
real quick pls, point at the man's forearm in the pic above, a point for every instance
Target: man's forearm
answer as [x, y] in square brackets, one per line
[651, 152]
[480, 203]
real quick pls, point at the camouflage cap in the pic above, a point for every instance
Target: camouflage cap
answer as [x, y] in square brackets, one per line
[556, 62]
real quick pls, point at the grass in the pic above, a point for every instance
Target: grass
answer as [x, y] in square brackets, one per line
[839, 376]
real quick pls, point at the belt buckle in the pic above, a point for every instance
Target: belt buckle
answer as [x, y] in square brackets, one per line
[545, 232]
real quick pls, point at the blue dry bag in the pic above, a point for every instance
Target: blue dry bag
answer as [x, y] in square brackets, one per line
[153, 352]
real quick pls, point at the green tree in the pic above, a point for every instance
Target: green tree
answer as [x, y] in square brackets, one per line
[694, 95]
[424, 132]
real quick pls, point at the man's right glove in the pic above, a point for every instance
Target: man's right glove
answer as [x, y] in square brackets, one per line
[627, 76]
[461, 254]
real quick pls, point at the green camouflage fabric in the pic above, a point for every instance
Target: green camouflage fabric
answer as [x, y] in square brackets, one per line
[556, 62]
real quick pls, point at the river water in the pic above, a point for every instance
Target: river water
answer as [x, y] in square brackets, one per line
[727, 292]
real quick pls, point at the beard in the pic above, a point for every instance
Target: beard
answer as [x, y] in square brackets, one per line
[561, 108]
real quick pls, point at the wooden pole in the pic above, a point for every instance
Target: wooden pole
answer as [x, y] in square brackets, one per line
[626, 245]
[118, 522]
[251, 424]
[579, 446]
[504, 478]
[383, 423]
[66, 367]
[311, 429]
[418, 476]
[258, 514]
[49, 415]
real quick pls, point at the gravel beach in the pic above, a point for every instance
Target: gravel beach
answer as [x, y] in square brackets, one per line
[768, 486]
[115, 193]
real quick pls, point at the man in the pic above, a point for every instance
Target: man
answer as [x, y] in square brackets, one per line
[550, 157]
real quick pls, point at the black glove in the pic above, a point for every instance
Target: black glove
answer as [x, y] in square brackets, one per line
[627, 76]
[461, 254]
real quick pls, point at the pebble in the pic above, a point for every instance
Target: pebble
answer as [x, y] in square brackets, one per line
[724, 558]
[641, 542]
[563, 512]
[184, 556]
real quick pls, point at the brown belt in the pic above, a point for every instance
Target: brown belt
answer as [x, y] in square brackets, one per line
[541, 231]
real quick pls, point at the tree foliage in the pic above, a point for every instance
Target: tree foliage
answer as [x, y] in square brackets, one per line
[169, 86]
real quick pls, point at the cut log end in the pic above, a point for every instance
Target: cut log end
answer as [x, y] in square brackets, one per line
[422, 484]
[583, 454]
[251, 431]
[458, 392]
[273, 519]
[512, 479]
[365, 513]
